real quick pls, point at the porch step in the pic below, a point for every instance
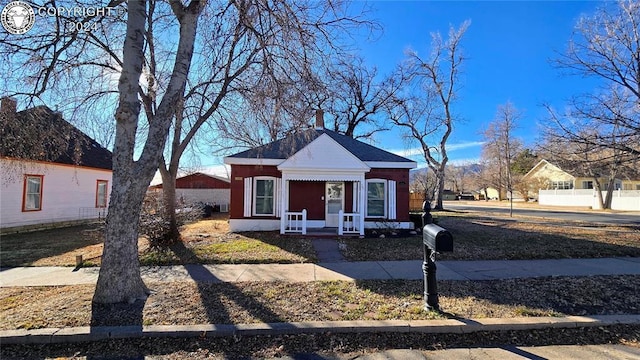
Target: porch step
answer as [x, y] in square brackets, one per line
[327, 250]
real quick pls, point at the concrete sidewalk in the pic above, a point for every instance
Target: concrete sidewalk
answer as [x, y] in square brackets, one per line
[447, 270]
[384, 270]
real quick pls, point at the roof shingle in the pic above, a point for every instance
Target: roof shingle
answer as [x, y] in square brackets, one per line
[41, 134]
[284, 148]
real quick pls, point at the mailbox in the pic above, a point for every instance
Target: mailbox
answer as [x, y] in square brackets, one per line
[437, 239]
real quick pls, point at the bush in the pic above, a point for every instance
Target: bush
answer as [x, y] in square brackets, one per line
[155, 224]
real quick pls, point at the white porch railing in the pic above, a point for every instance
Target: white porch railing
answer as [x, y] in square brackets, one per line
[294, 222]
[348, 223]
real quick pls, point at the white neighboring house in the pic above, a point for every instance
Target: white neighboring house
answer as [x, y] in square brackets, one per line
[558, 187]
[38, 190]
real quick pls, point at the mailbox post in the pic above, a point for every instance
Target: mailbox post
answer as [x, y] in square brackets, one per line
[434, 239]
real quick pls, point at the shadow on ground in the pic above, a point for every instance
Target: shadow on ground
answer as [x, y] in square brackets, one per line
[24, 249]
[488, 238]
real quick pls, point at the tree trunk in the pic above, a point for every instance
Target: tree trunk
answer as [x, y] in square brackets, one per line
[169, 203]
[609, 197]
[440, 182]
[119, 279]
[598, 190]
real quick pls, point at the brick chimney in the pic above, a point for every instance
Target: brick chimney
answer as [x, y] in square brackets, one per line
[8, 106]
[319, 119]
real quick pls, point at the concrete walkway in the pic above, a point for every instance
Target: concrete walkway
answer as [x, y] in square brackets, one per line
[340, 270]
[384, 270]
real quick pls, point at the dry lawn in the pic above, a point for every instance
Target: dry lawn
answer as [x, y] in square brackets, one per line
[207, 241]
[183, 303]
[481, 237]
[476, 236]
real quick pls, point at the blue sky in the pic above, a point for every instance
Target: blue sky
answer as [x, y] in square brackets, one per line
[509, 46]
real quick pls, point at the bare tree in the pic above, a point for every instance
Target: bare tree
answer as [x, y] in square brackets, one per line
[501, 147]
[426, 114]
[253, 60]
[356, 95]
[460, 176]
[151, 94]
[602, 127]
[423, 182]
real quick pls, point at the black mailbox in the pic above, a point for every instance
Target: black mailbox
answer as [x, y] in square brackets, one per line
[437, 239]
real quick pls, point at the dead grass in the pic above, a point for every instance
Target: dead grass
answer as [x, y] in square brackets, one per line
[486, 238]
[182, 303]
[209, 242]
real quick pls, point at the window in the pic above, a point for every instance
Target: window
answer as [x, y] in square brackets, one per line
[32, 200]
[264, 196]
[587, 184]
[376, 198]
[562, 185]
[101, 193]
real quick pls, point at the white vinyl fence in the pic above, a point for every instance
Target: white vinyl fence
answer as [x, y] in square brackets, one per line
[622, 199]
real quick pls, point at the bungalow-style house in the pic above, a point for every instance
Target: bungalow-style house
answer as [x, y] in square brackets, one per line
[52, 173]
[200, 187]
[552, 177]
[561, 188]
[318, 179]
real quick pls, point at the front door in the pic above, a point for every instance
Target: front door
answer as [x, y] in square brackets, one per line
[334, 202]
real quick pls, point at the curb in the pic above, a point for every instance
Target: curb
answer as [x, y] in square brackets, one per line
[452, 326]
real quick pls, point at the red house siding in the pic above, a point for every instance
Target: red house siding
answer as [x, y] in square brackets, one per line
[401, 177]
[307, 195]
[348, 197]
[238, 173]
[198, 181]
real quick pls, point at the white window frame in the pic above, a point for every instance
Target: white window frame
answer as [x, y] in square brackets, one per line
[562, 185]
[273, 195]
[384, 198]
[26, 193]
[102, 199]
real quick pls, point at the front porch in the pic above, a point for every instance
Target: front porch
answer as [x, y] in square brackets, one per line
[297, 223]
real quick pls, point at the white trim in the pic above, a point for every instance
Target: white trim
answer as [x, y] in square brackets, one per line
[391, 164]
[391, 212]
[336, 217]
[385, 199]
[355, 196]
[273, 195]
[323, 175]
[247, 161]
[321, 155]
[362, 202]
[248, 196]
[386, 224]
[236, 225]
[277, 197]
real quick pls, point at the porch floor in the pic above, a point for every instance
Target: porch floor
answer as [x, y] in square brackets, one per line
[323, 233]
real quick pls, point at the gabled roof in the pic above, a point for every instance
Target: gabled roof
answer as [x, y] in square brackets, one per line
[195, 174]
[40, 134]
[285, 148]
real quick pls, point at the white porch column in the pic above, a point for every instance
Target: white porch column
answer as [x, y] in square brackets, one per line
[284, 202]
[362, 200]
